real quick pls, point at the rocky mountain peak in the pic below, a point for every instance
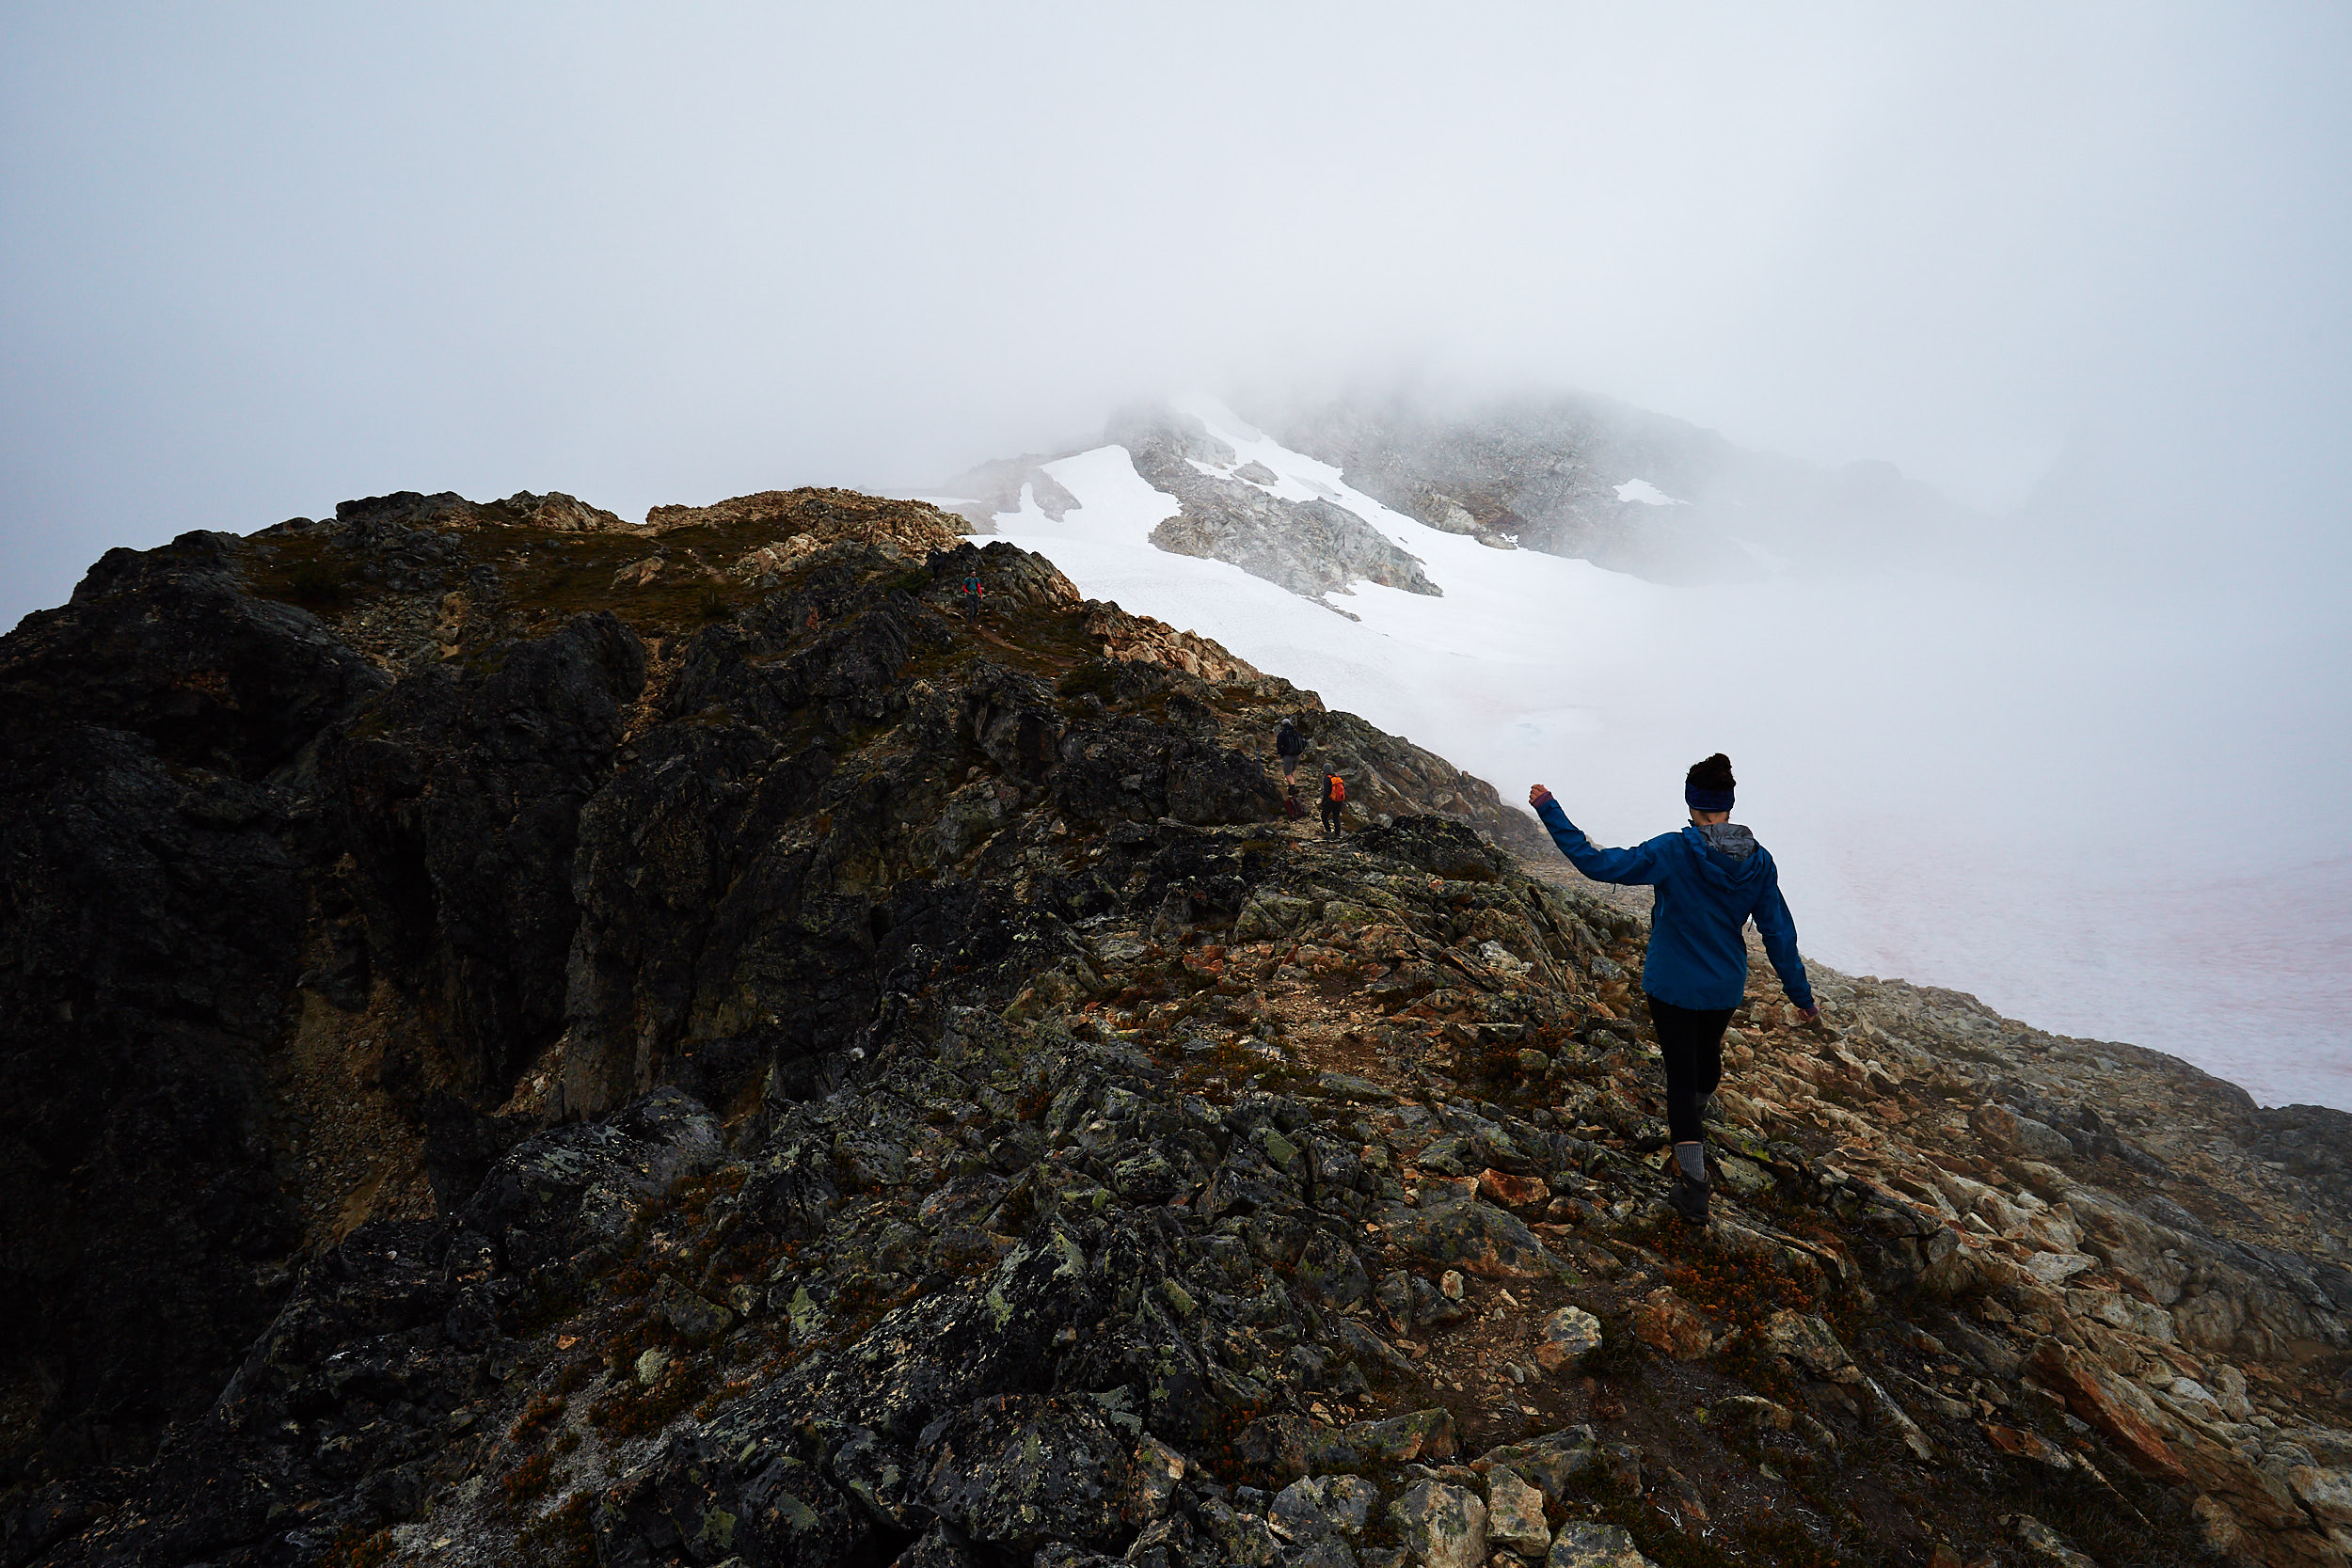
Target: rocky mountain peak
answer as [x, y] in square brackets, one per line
[1575, 476]
[714, 1045]
[555, 512]
[1224, 509]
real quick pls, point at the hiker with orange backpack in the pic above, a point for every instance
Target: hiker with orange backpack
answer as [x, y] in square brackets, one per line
[1334, 797]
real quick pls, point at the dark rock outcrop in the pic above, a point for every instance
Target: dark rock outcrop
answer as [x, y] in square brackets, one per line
[154, 915]
[324, 846]
[458, 803]
[1311, 547]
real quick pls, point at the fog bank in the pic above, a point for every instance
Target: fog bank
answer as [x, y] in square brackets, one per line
[257, 258]
[2113, 821]
[2080, 268]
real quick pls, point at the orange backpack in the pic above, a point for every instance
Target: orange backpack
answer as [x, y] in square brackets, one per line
[1339, 787]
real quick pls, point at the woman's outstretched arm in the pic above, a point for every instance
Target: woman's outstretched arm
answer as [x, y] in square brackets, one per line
[1637, 866]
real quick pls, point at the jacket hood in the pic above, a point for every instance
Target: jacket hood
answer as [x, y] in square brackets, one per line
[1727, 854]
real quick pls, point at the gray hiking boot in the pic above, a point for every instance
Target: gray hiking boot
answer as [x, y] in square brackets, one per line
[1689, 1185]
[1688, 1197]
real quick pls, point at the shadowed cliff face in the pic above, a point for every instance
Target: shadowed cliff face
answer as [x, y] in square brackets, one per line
[545, 1042]
[324, 846]
[155, 909]
[457, 798]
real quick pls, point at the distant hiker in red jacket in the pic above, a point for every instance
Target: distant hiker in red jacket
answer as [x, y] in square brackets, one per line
[1334, 797]
[1712, 878]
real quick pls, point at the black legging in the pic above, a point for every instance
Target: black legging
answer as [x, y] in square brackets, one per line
[1691, 1041]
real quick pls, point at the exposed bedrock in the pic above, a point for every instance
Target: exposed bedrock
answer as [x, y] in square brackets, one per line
[339, 858]
[547, 1042]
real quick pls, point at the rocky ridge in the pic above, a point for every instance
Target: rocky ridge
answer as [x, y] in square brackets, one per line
[340, 856]
[753, 1062]
[1228, 509]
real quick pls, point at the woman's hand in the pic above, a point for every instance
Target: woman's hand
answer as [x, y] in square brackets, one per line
[1537, 794]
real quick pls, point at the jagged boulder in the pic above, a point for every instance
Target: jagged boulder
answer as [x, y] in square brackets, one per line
[1289, 1447]
[1515, 1515]
[1438, 845]
[1017, 1472]
[1806, 1343]
[1553, 1464]
[1671, 1326]
[1318, 1506]
[1588, 1546]
[1475, 1237]
[1569, 1334]
[576, 1188]
[1443, 1526]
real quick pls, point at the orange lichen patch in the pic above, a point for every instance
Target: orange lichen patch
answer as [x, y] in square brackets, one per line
[529, 1478]
[1513, 1192]
[542, 1412]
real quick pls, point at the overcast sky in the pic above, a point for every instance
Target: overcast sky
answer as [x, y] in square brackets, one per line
[257, 260]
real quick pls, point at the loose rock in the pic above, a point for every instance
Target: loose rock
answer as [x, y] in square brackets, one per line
[1807, 1341]
[1515, 1514]
[1443, 1526]
[1671, 1326]
[1476, 1238]
[1590, 1545]
[1568, 1334]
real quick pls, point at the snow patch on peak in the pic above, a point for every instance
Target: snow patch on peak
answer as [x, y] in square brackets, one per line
[1116, 504]
[1512, 661]
[1641, 490]
[1296, 475]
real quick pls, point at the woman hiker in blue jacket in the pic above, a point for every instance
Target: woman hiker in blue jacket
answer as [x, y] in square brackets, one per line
[1712, 878]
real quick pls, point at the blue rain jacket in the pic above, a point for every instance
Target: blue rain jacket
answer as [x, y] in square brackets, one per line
[1698, 957]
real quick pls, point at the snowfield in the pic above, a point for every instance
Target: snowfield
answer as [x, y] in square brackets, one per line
[1928, 824]
[1473, 676]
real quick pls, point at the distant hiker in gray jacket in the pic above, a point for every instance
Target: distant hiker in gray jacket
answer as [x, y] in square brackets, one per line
[1289, 745]
[1712, 878]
